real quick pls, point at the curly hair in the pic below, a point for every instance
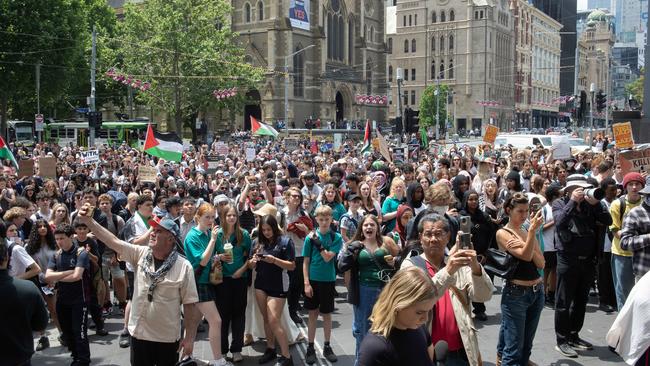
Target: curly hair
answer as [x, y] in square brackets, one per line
[36, 242]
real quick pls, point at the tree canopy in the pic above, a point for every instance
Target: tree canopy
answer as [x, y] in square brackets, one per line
[430, 104]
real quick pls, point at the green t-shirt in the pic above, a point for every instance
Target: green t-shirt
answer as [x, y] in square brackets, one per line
[338, 209]
[195, 243]
[369, 272]
[390, 205]
[319, 270]
[240, 252]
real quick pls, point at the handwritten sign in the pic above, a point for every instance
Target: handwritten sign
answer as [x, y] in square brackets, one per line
[291, 144]
[490, 134]
[47, 166]
[221, 148]
[213, 163]
[147, 173]
[383, 147]
[623, 135]
[89, 157]
[25, 168]
[634, 161]
[250, 154]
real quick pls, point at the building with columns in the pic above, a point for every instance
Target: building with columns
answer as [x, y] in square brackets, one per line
[465, 44]
[546, 53]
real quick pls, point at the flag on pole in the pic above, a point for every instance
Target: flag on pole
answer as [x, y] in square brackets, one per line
[5, 153]
[163, 145]
[366, 139]
[424, 138]
[262, 129]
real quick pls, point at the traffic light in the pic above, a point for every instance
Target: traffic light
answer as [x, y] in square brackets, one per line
[601, 101]
[583, 104]
[95, 119]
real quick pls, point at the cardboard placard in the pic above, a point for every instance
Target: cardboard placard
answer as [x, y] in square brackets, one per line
[635, 161]
[561, 149]
[623, 135]
[47, 166]
[25, 168]
[213, 162]
[147, 173]
[89, 157]
[338, 141]
[291, 144]
[383, 147]
[250, 154]
[414, 152]
[221, 148]
[490, 134]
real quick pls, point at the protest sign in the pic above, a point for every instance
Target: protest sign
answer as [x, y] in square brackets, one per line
[400, 153]
[561, 148]
[383, 147]
[291, 144]
[213, 162]
[490, 134]
[47, 166]
[623, 135]
[634, 161]
[147, 173]
[414, 152]
[221, 148]
[25, 168]
[89, 157]
[338, 141]
[250, 153]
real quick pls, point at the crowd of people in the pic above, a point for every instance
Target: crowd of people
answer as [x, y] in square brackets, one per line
[245, 246]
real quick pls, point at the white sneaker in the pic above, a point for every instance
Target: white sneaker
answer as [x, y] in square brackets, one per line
[237, 357]
[221, 362]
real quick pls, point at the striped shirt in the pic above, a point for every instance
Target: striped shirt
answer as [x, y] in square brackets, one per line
[635, 236]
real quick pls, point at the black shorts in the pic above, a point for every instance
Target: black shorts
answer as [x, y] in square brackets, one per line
[206, 292]
[323, 297]
[551, 260]
[130, 277]
[278, 294]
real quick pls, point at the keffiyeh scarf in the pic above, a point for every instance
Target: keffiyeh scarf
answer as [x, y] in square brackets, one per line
[157, 276]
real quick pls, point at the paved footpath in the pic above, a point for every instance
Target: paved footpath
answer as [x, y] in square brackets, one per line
[105, 350]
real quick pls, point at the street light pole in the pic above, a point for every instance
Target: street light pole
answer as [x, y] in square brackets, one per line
[91, 105]
[286, 84]
[592, 90]
[437, 107]
[399, 77]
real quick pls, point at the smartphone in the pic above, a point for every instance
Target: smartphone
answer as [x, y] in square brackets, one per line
[261, 256]
[466, 241]
[466, 224]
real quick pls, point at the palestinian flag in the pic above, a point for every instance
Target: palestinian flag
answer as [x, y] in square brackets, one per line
[262, 129]
[163, 145]
[366, 139]
[424, 139]
[5, 153]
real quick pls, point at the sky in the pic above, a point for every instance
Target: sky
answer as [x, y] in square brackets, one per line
[582, 5]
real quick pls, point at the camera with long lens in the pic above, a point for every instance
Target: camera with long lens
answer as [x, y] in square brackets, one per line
[595, 193]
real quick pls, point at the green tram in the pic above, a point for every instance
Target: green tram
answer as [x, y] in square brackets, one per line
[111, 132]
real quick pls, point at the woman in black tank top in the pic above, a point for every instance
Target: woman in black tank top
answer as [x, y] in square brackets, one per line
[523, 295]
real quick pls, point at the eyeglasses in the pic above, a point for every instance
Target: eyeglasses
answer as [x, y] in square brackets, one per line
[432, 234]
[294, 196]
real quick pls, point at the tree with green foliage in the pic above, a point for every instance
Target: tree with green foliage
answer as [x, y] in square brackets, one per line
[186, 49]
[54, 34]
[635, 88]
[432, 101]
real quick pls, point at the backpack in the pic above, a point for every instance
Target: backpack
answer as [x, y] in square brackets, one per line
[621, 212]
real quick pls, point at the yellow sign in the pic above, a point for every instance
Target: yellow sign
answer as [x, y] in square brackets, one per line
[375, 144]
[623, 135]
[491, 132]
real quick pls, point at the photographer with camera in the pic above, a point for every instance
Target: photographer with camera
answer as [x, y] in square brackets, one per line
[575, 215]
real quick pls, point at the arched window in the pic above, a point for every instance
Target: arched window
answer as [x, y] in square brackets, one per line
[260, 10]
[433, 44]
[390, 73]
[442, 16]
[372, 34]
[247, 13]
[416, 19]
[369, 66]
[406, 46]
[433, 17]
[451, 69]
[341, 38]
[351, 42]
[413, 45]
[442, 71]
[452, 16]
[442, 43]
[299, 72]
[390, 46]
[330, 37]
[451, 41]
[433, 69]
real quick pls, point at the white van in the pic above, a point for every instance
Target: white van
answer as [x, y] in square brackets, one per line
[523, 141]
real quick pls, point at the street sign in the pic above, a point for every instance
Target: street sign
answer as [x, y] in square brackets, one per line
[38, 126]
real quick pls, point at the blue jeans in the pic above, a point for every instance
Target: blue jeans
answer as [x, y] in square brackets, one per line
[623, 277]
[367, 297]
[521, 308]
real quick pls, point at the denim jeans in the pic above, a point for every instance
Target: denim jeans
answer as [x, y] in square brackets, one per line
[521, 308]
[623, 276]
[367, 297]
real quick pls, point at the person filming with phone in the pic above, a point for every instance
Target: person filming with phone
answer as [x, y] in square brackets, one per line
[575, 217]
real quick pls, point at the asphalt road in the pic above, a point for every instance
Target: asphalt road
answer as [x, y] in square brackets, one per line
[105, 350]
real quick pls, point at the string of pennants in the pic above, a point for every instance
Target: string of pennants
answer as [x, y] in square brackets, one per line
[371, 99]
[224, 93]
[126, 79]
[488, 103]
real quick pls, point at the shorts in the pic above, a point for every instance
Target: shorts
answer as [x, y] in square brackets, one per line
[323, 297]
[551, 260]
[130, 276]
[271, 293]
[206, 292]
[115, 271]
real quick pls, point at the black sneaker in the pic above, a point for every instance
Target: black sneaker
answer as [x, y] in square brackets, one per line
[581, 345]
[329, 354]
[283, 361]
[606, 308]
[101, 332]
[480, 316]
[43, 343]
[62, 341]
[566, 350]
[296, 318]
[125, 340]
[268, 356]
[310, 356]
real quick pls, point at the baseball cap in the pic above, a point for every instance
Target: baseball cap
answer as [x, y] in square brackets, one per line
[167, 224]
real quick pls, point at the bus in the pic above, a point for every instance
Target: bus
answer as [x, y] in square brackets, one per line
[111, 132]
[21, 133]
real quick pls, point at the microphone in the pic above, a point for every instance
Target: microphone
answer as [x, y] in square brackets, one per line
[440, 353]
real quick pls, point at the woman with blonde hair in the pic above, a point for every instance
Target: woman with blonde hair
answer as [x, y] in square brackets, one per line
[392, 202]
[60, 215]
[398, 335]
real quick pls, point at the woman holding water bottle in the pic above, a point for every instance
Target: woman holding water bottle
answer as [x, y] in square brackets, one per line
[200, 249]
[233, 247]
